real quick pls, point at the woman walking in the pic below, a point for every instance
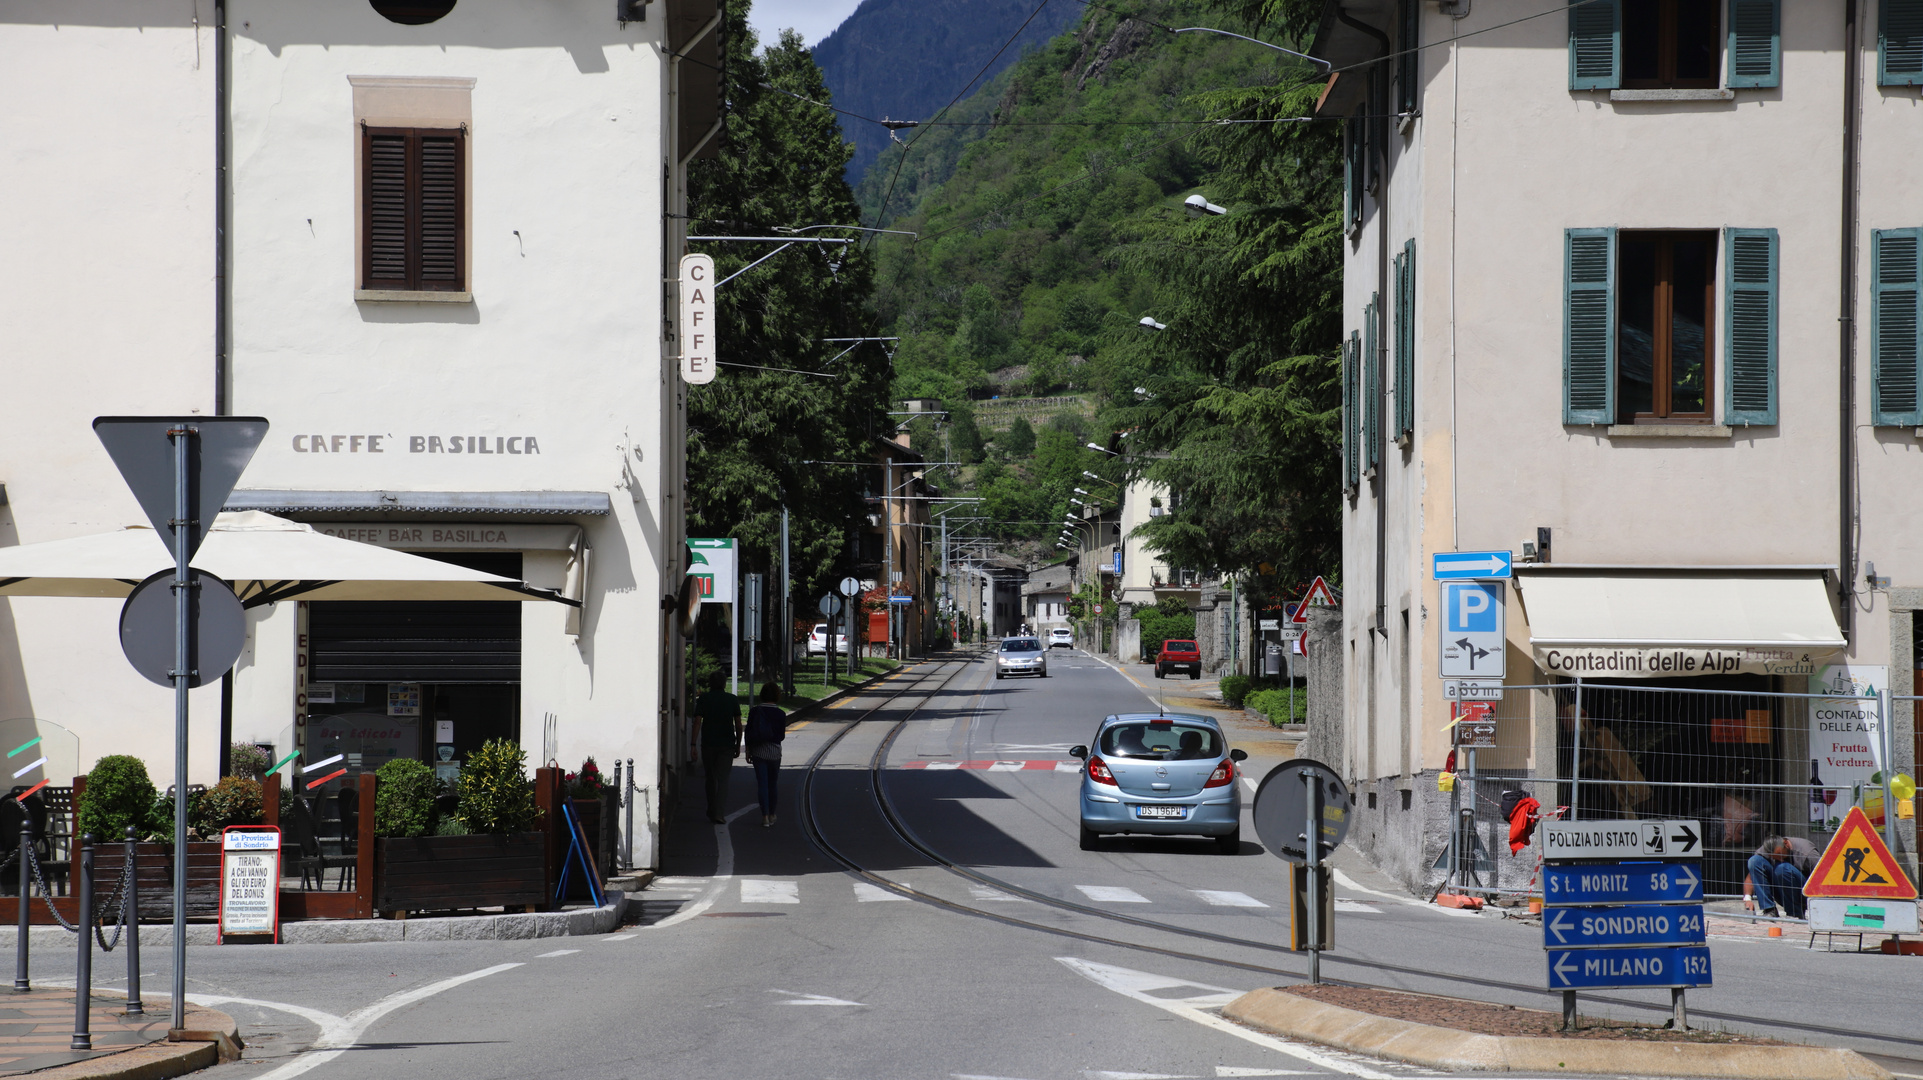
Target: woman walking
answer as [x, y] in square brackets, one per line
[767, 726]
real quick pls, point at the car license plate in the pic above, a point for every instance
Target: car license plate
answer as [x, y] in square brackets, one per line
[1160, 811]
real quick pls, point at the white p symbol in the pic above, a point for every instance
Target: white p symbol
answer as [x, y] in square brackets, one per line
[1470, 602]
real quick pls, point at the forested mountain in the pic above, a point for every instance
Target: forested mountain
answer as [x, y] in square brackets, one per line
[905, 59]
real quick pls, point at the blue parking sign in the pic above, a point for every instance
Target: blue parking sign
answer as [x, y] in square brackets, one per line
[1472, 630]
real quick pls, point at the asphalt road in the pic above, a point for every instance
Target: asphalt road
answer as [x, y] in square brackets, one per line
[760, 955]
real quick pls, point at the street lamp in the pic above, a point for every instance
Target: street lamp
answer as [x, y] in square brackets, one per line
[1201, 207]
[1102, 449]
[1147, 322]
[1326, 66]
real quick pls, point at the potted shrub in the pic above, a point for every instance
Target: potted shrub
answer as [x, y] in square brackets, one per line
[498, 862]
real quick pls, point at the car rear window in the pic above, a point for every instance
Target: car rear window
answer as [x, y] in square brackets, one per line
[1024, 644]
[1161, 741]
[1179, 646]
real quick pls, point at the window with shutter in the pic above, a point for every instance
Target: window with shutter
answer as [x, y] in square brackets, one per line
[1749, 340]
[1408, 60]
[1755, 43]
[1589, 327]
[1351, 437]
[413, 228]
[1405, 343]
[1596, 45]
[1372, 385]
[1355, 168]
[1896, 312]
[1899, 43]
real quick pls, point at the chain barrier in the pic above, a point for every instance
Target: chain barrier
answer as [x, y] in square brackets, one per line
[118, 903]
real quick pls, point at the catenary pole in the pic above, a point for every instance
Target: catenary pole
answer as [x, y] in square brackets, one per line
[183, 679]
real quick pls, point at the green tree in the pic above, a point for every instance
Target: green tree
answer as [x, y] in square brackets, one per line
[1019, 440]
[759, 439]
[964, 437]
[119, 794]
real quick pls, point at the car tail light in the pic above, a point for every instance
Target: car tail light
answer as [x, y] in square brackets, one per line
[1224, 774]
[1099, 773]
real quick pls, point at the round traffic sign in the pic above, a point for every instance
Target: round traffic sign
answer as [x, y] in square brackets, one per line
[1281, 810]
[851, 587]
[218, 628]
[829, 604]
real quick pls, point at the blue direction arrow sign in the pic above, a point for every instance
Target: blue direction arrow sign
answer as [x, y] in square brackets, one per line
[1621, 883]
[1471, 565]
[1602, 969]
[1588, 927]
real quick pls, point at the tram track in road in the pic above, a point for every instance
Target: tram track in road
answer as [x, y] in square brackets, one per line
[905, 834]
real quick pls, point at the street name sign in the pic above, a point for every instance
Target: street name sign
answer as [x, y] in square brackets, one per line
[1472, 690]
[1644, 924]
[1622, 883]
[1471, 565]
[1858, 865]
[1473, 630]
[1569, 841]
[1597, 969]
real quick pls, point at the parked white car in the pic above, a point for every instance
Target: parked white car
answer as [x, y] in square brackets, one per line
[818, 641]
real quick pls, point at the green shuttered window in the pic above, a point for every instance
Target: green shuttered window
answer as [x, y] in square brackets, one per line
[1351, 415]
[1899, 43]
[1755, 43]
[1405, 341]
[1596, 45]
[1749, 326]
[1589, 327]
[1355, 169]
[1372, 384]
[1896, 363]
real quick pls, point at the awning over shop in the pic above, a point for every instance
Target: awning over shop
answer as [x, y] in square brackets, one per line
[264, 558]
[564, 503]
[1675, 623]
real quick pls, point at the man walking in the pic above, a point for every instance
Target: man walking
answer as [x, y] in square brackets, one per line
[719, 740]
[1776, 874]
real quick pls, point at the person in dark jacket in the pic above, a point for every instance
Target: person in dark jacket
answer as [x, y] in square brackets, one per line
[719, 742]
[767, 726]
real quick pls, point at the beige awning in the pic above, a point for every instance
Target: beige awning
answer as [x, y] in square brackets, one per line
[1678, 623]
[263, 557]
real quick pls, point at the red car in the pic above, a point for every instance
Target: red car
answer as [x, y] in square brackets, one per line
[1177, 655]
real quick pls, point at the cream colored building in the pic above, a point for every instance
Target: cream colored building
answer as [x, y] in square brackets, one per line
[427, 241]
[1596, 266]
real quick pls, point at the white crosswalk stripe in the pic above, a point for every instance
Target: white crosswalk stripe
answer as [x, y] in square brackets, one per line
[1221, 898]
[984, 892]
[756, 891]
[869, 893]
[1112, 894]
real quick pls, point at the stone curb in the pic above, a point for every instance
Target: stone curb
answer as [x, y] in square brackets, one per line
[1298, 1017]
[158, 1060]
[581, 922]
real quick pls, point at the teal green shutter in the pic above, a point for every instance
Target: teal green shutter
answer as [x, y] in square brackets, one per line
[1589, 327]
[1405, 330]
[1372, 385]
[1351, 415]
[1755, 43]
[1749, 326]
[1896, 311]
[1899, 43]
[1596, 45]
[1354, 168]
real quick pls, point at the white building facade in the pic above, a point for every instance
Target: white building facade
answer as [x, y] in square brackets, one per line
[444, 233]
[1631, 294]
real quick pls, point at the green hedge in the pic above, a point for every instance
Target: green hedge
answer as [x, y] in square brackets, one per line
[1235, 690]
[119, 794]
[404, 798]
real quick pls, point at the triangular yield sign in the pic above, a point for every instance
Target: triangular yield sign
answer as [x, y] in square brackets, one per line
[217, 455]
[1857, 864]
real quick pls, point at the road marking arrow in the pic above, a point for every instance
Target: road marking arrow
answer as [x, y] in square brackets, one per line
[1557, 926]
[1690, 882]
[1687, 838]
[1562, 967]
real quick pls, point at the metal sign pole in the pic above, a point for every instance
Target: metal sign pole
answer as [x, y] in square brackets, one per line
[1575, 767]
[1312, 844]
[183, 437]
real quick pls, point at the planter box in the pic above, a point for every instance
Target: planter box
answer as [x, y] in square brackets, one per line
[429, 873]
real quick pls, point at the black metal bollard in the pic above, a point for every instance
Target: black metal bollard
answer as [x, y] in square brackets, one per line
[83, 969]
[21, 984]
[130, 919]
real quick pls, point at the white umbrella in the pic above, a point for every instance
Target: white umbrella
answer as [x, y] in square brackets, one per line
[264, 558]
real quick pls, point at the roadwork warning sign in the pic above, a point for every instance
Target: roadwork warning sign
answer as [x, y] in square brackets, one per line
[1857, 864]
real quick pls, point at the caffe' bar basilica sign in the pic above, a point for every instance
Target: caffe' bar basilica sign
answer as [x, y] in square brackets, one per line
[505, 445]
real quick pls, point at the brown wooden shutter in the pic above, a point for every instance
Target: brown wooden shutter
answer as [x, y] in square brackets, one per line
[414, 218]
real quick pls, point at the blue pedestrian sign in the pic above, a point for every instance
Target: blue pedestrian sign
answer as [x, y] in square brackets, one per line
[1471, 565]
[1648, 924]
[1597, 969]
[1621, 883]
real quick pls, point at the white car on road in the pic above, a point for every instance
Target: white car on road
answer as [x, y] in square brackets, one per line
[1061, 637]
[818, 641]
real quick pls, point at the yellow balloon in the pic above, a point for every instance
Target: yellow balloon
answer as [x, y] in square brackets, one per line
[1902, 786]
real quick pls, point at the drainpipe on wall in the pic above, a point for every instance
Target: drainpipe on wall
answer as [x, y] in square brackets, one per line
[1846, 351]
[221, 401]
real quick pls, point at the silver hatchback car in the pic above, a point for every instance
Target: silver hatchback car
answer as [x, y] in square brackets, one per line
[1021, 656]
[1162, 775]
